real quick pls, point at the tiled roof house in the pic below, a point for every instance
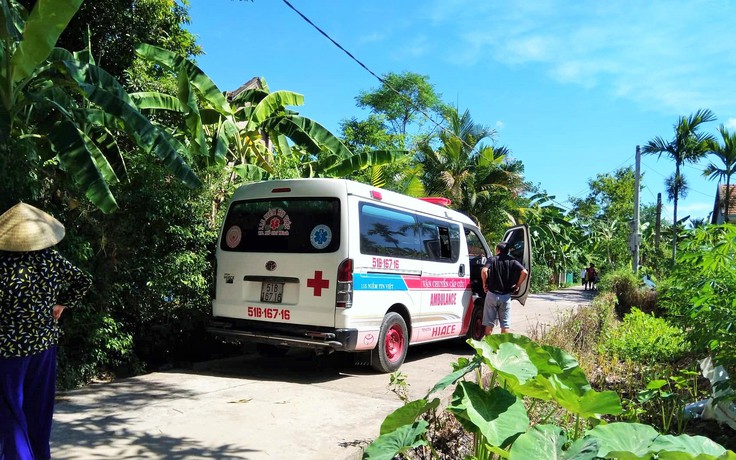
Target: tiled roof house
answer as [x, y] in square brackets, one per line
[719, 214]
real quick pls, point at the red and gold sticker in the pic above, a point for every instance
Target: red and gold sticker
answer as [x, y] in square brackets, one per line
[233, 236]
[275, 222]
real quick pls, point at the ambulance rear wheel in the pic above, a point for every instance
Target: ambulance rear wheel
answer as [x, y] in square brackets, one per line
[393, 342]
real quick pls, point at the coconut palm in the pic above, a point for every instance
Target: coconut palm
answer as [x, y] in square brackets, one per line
[471, 174]
[449, 170]
[688, 146]
[725, 152]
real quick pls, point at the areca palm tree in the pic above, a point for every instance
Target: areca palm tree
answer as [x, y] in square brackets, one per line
[464, 169]
[725, 152]
[449, 169]
[688, 146]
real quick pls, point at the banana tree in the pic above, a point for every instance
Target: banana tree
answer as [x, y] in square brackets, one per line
[58, 107]
[254, 127]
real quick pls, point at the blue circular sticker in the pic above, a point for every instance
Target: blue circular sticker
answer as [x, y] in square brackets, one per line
[321, 236]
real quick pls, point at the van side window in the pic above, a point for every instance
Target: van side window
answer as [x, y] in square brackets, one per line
[387, 232]
[440, 240]
[475, 247]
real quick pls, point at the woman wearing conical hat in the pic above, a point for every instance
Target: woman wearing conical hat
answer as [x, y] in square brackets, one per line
[36, 284]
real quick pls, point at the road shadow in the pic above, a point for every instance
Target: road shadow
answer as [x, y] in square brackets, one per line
[306, 367]
[99, 419]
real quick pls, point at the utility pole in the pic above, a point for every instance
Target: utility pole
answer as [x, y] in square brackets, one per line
[658, 222]
[635, 239]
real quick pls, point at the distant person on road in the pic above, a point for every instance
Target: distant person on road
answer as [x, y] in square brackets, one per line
[36, 284]
[584, 277]
[592, 276]
[502, 276]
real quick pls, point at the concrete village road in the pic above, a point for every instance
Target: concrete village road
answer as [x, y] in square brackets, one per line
[251, 407]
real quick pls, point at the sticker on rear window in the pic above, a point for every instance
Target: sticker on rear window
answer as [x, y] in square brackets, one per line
[232, 237]
[321, 236]
[274, 223]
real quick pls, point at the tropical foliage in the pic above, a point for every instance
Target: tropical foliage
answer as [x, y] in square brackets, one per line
[60, 109]
[523, 374]
[700, 291]
[726, 154]
[687, 146]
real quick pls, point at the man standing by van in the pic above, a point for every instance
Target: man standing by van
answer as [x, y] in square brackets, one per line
[502, 277]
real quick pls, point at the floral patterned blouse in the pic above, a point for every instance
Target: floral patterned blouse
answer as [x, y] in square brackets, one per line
[31, 283]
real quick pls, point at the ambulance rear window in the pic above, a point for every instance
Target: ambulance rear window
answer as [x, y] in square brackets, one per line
[294, 225]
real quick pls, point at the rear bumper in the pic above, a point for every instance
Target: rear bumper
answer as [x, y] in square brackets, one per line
[295, 336]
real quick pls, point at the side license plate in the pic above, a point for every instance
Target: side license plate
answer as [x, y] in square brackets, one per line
[272, 292]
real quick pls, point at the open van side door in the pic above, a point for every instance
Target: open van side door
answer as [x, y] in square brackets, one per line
[520, 248]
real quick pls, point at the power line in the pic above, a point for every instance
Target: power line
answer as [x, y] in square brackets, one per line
[380, 79]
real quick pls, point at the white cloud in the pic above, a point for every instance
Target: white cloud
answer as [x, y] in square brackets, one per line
[667, 56]
[730, 124]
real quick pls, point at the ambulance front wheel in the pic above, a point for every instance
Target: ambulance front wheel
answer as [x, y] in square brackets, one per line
[477, 331]
[393, 342]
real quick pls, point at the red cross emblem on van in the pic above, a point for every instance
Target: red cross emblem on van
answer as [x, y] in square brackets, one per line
[317, 283]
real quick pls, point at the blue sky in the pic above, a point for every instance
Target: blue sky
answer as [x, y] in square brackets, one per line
[571, 87]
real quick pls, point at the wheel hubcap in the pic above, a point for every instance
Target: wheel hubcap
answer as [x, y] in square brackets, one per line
[394, 343]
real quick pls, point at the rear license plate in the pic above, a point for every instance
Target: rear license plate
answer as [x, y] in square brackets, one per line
[272, 292]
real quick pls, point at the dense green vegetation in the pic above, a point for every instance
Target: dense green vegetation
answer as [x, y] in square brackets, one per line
[121, 136]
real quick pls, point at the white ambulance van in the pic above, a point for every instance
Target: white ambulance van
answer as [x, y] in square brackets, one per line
[332, 264]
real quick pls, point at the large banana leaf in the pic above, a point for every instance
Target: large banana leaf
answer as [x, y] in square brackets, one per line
[209, 92]
[10, 23]
[191, 117]
[76, 157]
[102, 89]
[45, 24]
[307, 133]
[148, 100]
[352, 163]
[273, 102]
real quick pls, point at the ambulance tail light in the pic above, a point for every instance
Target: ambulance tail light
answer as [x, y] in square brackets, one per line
[344, 296]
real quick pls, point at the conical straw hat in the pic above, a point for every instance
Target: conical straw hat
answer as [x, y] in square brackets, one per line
[26, 228]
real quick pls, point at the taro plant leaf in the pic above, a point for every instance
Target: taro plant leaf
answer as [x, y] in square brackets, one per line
[496, 414]
[591, 404]
[687, 447]
[450, 379]
[407, 414]
[405, 438]
[624, 440]
[47, 21]
[546, 442]
[544, 372]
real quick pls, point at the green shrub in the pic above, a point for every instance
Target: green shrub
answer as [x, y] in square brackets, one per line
[629, 291]
[644, 338]
[541, 279]
[699, 294]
